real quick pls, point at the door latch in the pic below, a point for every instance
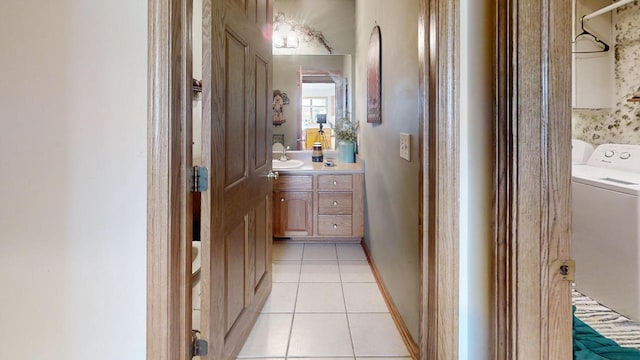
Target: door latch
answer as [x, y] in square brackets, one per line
[566, 269]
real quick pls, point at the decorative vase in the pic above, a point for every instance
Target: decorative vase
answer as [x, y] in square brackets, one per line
[346, 151]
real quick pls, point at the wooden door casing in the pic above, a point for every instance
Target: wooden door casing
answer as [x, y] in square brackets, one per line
[439, 72]
[169, 201]
[532, 304]
[164, 264]
[236, 212]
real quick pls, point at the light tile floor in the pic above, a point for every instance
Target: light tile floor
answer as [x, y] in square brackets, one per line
[325, 305]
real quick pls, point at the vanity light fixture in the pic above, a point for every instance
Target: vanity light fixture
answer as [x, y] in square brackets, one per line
[284, 36]
[288, 32]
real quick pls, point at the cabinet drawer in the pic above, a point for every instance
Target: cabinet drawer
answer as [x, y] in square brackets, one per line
[335, 203]
[294, 182]
[335, 182]
[335, 225]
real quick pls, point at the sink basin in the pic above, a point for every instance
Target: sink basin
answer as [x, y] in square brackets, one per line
[289, 164]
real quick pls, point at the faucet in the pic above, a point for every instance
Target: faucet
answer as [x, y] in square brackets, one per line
[284, 157]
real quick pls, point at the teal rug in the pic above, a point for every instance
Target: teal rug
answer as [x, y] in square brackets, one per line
[588, 344]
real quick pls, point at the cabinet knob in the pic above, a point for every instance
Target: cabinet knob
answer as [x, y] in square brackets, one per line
[335, 203]
[282, 199]
[335, 182]
[335, 226]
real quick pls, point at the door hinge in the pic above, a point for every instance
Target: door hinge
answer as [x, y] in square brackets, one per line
[199, 347]
[199, 179]
[566, 269]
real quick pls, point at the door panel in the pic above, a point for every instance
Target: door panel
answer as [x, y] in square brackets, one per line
[263, 148]
[251, 8]
[242, 4]
[236, 211]
[262, 11]
[235, 127]
[262, 240]
[234, 274]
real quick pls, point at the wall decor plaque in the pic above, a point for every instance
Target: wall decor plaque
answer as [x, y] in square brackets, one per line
[374, 78]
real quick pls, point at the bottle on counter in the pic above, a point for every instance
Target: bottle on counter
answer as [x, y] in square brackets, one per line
[316, 153]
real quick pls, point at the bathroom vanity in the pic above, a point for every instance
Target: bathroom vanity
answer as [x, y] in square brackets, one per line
[319, 203]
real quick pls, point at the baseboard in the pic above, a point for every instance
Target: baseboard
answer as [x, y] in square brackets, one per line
[316, 240]
[412, 346]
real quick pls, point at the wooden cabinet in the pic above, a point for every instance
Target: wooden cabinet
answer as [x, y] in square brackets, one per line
[335, 205]
[293, 206]
[294, 213]
[319, 207]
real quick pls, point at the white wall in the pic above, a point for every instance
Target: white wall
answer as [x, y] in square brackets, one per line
[335, 19]
[72, 179]
[619, 124]
[475, 178]
[391, 183]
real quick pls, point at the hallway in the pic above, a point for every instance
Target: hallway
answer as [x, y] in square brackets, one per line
[325, 304]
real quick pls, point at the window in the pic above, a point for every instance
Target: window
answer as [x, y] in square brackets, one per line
[312, 106]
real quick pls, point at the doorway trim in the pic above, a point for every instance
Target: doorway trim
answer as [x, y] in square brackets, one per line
[439, 54]
[532, 204]
[168, 195]
[169, 154]
[532, 180]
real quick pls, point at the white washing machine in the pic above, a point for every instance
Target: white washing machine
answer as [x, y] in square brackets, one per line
[606, 227]
[580, 151]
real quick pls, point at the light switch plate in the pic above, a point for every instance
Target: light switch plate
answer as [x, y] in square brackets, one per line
[405, 146]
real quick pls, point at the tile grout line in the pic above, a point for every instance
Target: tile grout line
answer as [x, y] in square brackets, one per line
[346, 310]
[344, 301]
[295, 304]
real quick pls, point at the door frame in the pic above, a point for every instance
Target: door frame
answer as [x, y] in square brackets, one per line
[531, 312]
[531, 304]
[532, 180]
[168, 291]
[169, 156]
[439, 141]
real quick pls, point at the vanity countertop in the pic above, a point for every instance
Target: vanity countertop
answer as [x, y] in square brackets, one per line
[317, 167]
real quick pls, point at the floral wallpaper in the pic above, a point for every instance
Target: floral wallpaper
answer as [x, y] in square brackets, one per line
[621, 123]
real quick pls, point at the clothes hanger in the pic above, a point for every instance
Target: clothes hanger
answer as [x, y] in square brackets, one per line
[605, 46]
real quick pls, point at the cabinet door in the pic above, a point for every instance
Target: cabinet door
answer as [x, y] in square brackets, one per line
[294, 213]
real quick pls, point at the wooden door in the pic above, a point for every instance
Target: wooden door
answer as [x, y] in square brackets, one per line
[236, 211]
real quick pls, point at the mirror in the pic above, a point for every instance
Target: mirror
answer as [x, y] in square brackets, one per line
[306, 86]
[319, 103]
